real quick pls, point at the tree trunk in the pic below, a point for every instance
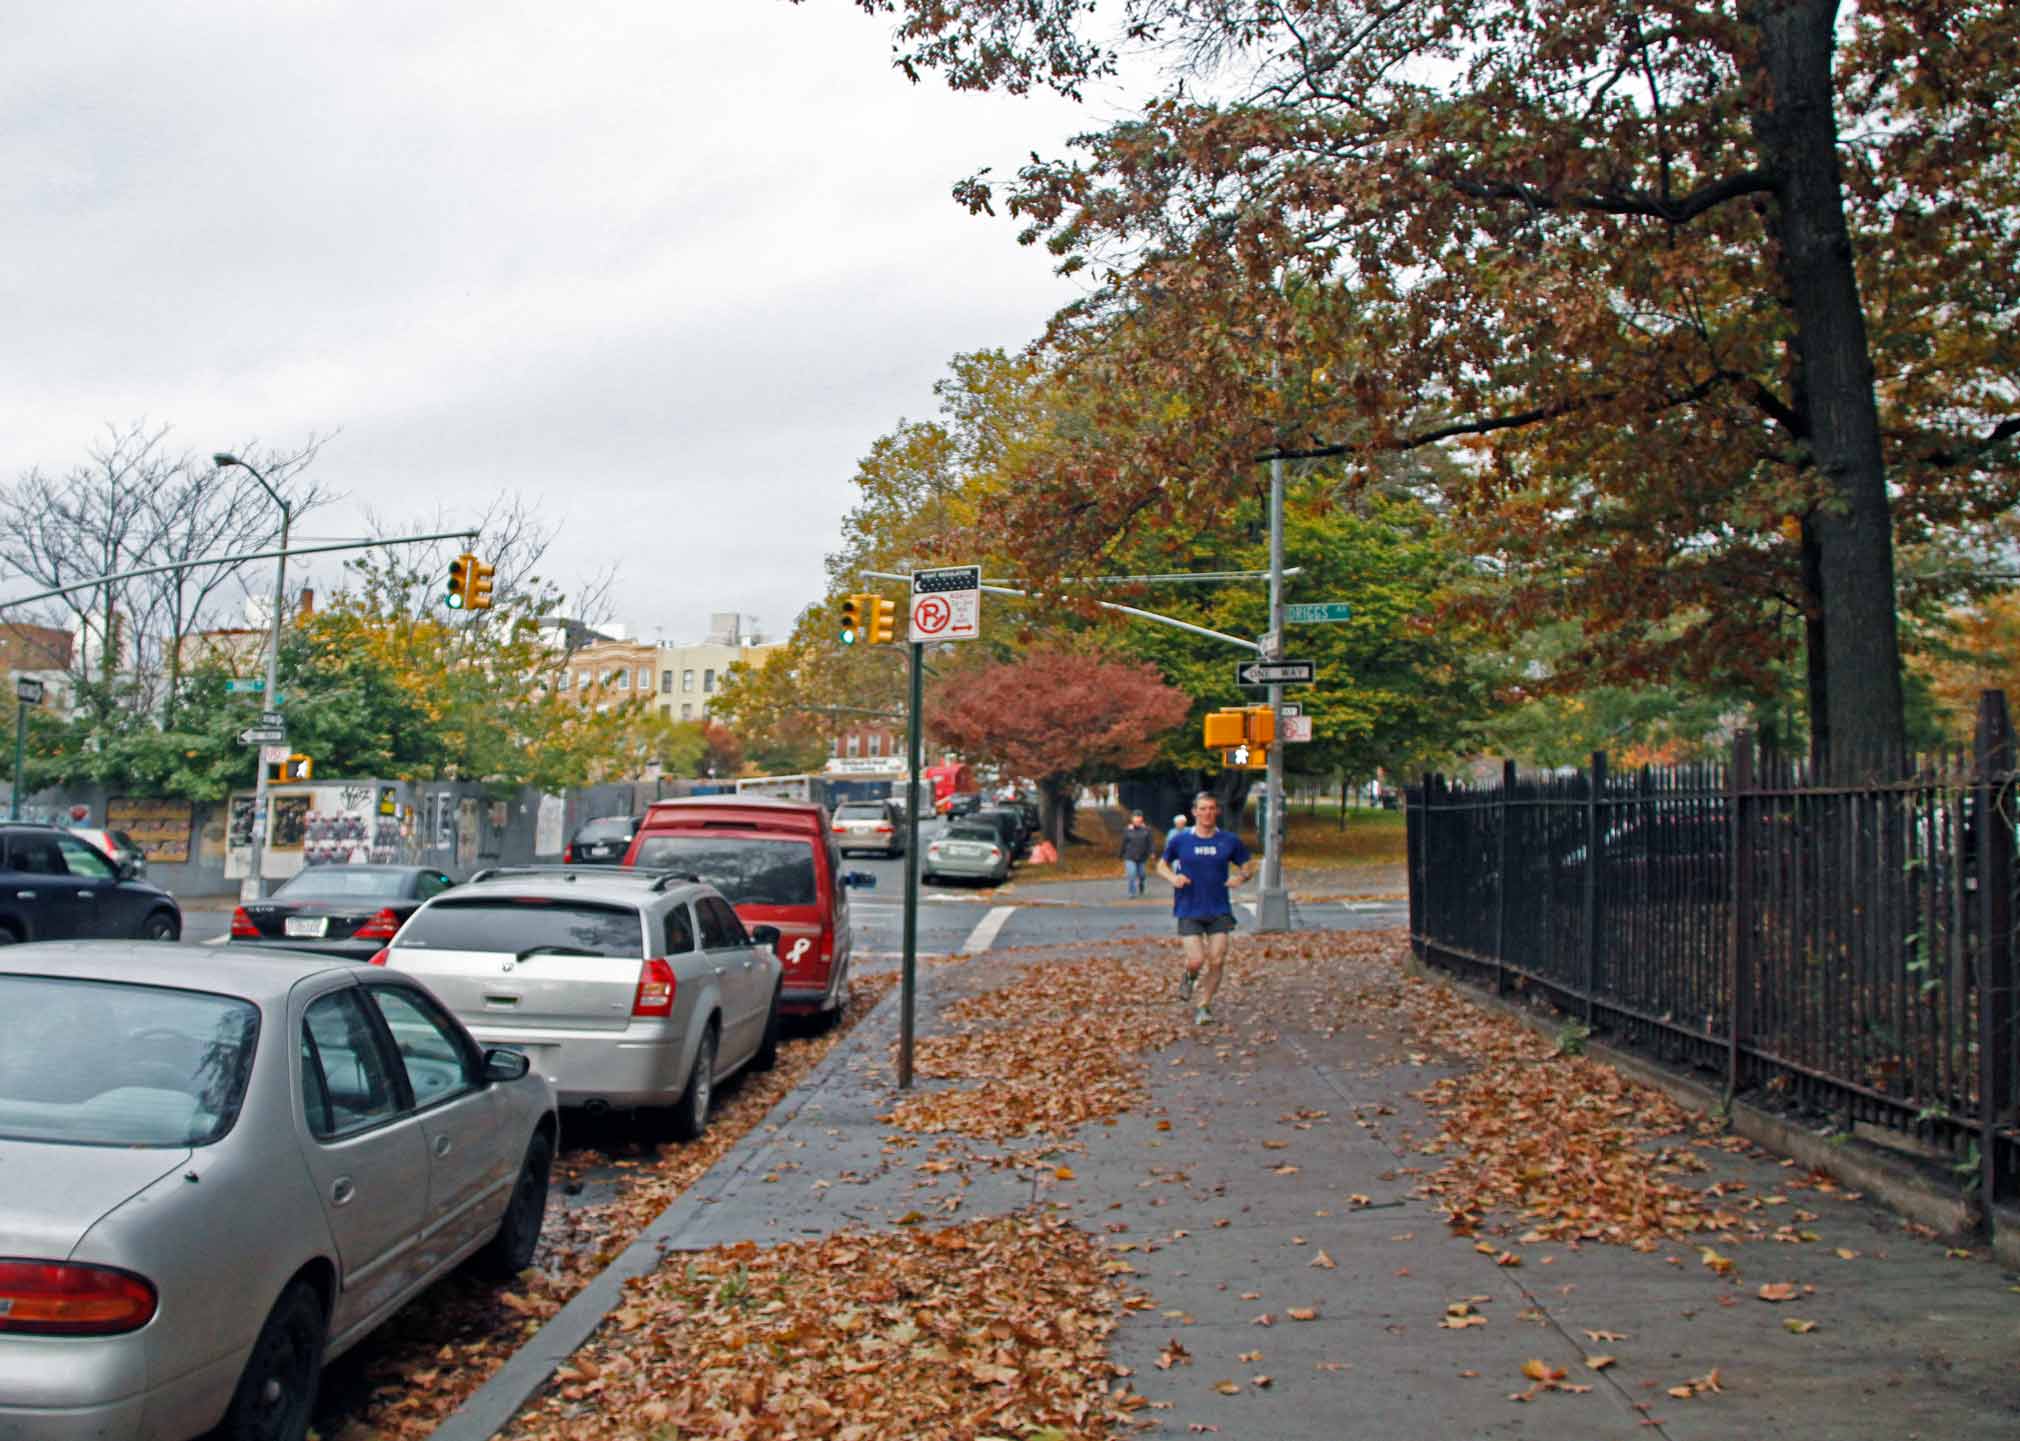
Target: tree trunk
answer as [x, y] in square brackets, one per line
[1052, 811]
[1862, 707]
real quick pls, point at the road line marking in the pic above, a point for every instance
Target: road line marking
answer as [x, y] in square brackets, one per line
[984, 934]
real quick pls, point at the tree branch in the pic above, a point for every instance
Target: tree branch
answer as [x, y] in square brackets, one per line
[1622, 202]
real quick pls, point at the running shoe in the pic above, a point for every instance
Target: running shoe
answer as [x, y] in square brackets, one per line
[1202, 1017]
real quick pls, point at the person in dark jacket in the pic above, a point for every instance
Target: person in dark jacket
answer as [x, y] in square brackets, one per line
[1136, 847]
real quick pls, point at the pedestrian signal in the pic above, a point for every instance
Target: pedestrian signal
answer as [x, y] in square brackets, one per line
[294, 768]
[1226, 729]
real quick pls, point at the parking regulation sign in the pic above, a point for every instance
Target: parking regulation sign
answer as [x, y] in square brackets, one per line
[946, 604]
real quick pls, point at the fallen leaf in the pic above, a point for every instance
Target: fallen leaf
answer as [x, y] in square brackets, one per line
[1778, 1291]
[1233, 1388]
[1800, 1328]
[1539, 1370]
[1598, 1363]
[1322, 1261]
[1303, 1313]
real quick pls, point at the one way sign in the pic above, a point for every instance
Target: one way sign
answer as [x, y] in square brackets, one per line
[1275, 672]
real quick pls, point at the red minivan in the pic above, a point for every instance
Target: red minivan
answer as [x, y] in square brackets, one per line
[776, 863]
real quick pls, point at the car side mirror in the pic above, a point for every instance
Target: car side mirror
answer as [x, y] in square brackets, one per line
[127, 868]
[858, 878]
[504, 1065]
[766, 936]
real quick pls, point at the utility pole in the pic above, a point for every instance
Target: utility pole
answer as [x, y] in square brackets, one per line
[914, 749]
[257, 882]
[1273, 909]
[27, 692]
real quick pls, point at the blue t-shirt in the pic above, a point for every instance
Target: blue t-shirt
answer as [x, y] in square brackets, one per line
[1204, 862]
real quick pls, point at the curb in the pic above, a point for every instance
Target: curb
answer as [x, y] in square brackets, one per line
[1902, 1187]
[491, 1407]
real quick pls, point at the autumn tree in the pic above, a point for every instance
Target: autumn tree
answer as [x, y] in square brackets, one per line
[1719, 292]
[1058, 717]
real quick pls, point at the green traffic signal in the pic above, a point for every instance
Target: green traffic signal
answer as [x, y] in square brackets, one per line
[852, 619]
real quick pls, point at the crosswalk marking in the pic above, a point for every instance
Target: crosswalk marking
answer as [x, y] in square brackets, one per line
[984, 934]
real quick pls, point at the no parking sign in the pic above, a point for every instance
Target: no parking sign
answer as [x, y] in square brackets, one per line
[946, 604]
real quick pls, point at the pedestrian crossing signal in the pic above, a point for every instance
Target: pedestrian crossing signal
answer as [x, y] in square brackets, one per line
[294, 768]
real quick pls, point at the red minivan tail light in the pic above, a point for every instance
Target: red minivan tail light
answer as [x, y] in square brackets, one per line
[379, 959]
[655, 989]
[381, 927]
[568, 854]
[58, 1298]
[242, 927]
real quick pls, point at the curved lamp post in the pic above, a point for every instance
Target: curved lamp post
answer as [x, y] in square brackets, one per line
[224, 460]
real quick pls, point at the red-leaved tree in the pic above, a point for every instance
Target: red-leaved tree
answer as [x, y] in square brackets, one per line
[1058, 718]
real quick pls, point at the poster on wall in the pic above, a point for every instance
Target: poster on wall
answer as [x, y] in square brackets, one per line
[547, 826]
[291, 822]
[353, 825]
[159, 827]
[239, 833]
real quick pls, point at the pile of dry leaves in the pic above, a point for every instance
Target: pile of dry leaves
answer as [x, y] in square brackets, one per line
[986, 1329]
[415, 1370]
[1059, 1046]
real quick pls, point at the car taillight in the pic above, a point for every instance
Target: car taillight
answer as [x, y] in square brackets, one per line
[381, 927]
[379, 957]
[655, 989]
[995, 853]
[568, 854]
[883, 828]
[838, 826]
[51, 1298]
[242, 927]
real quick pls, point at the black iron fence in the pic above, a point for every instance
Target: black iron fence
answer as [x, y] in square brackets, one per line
[1842, 949]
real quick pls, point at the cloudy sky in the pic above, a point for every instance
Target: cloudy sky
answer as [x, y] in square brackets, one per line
[667, 266]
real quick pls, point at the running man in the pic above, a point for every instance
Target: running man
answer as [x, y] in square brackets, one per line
[1198, 863]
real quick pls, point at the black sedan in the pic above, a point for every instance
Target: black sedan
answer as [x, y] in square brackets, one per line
[604, 841]
[346, 911]
[54, 886]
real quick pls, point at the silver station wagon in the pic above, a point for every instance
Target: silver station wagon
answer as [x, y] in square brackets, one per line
[219, 1170]
[969, 850]
[626, 987]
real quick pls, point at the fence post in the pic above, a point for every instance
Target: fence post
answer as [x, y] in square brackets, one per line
[1993, 764]
[1739, 908]
[1416, 812]
[1594, 839]
[1501, 869]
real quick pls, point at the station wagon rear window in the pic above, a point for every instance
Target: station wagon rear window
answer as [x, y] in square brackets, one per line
[862, 812]
[748, 872]
[513, 924]
[99, 1063]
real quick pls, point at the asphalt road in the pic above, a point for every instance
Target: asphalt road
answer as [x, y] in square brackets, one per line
[953, 918]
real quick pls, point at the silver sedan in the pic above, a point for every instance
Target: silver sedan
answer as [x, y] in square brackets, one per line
[968, 850]
[219, 1171]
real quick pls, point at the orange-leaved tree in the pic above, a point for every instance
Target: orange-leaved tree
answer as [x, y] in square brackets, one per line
[1058, 717]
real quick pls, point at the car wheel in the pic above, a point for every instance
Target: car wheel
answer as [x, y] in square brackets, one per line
[511, 1250]
[160, 926]
[277, 1390]
[690, 1116]
[767, 1054]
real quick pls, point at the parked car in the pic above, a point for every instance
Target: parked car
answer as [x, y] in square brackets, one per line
[777, 863]
[120, 846]
[870, 826]
[970, 849]
[601, 842]
[1009, 826]
[218, 1172]
[54, 886]
[960, 803]
[347, 911]
[627, 988]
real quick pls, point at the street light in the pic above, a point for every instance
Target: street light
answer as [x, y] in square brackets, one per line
[223, 460]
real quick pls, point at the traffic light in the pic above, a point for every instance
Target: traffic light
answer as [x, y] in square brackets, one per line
[458, 593]
[853, 607]
[294, 768]
[883, 620]
[479, 593]
[1262, 725]
[1226, 728]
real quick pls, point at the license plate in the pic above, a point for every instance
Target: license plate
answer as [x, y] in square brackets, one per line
[308, 926]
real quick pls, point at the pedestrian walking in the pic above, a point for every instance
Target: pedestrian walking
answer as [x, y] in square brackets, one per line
[1136, 845]
[1198, 863]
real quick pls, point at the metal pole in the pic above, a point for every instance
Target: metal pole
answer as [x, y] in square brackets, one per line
[272, 702]
[1273, 913]
[20, 752]
[909, 976]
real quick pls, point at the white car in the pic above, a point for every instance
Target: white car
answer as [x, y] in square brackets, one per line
[628, 988]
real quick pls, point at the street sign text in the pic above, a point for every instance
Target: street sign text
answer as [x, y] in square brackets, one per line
[1323, 613]
[946, 604]
[1277, 672]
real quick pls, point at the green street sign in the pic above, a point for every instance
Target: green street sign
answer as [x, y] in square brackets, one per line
[1319, 614]
[240, 687]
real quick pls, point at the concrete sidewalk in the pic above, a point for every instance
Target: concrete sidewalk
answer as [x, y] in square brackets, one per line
[1289, 1130]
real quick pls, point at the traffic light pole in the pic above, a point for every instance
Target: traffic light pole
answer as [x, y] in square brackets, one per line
[909, 976]
[1273, 908]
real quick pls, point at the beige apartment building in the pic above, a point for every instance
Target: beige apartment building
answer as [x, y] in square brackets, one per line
[681, 679]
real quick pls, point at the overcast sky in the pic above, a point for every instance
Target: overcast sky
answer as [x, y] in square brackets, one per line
[668, 266]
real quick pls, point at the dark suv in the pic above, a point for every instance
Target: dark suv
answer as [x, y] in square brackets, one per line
[55, 886]
[601, 842]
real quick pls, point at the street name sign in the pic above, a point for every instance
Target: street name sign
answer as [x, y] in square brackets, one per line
[262, 736]
[252, 685]
[946, 604]
[1276, 672]
[272, 718]
[27, 690]
[1294, 728]
[1329, 612]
